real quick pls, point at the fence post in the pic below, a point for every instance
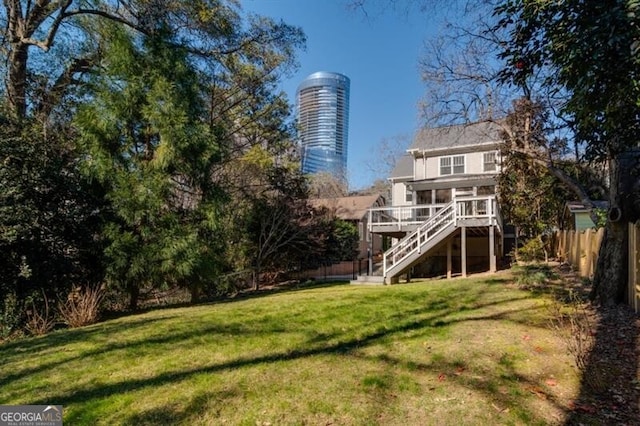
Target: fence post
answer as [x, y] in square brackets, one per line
[636, 267]
[565, 247]
[588, 272]
[575, 246]
[634, 264]
[561, 245]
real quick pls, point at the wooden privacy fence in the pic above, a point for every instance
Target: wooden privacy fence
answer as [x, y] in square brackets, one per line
[579, 249]
[634, 266]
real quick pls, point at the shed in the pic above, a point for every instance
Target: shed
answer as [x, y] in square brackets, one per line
[578, 216]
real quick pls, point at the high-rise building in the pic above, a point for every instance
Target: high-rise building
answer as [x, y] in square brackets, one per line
[323, 123]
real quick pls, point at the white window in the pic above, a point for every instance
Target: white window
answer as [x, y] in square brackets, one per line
[452, 165]
[408, 196]
[458, 165]
[489, 162]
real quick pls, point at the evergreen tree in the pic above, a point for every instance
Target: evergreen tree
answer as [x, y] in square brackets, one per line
[147, 144]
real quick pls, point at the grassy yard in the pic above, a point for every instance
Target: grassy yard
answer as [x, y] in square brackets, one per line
[466, 351]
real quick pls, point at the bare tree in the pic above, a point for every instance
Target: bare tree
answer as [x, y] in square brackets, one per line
[382, 159]
[464, 83]
[326, 185]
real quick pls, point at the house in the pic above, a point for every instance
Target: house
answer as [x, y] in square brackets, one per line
[578, 216]
[443, 216]
[355, 209]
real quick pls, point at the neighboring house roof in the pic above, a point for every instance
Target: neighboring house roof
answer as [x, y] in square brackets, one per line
[403, 168]
[577, 206]
[578, 216]
[458, 136]
[349, 208]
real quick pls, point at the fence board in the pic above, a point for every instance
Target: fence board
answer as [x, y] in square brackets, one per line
[634, 266]
[581, 249]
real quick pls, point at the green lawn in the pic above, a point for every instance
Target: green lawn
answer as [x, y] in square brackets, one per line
[466, 351]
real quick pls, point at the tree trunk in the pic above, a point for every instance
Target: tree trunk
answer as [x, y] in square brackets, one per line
[256, 277]
[16, 86]
[134, 296]
[610, 281]
[194, 289]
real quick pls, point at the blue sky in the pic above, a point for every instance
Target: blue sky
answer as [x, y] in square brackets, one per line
[378, 51]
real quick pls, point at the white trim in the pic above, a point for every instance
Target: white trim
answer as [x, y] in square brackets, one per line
[452, 165]
[495, 161]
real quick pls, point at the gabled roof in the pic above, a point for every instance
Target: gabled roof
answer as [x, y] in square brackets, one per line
[403, 168]
[458, 136]
[349, 208]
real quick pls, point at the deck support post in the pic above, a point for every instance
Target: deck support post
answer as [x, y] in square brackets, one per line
[449, 248]
[492, 249]
[463, 250]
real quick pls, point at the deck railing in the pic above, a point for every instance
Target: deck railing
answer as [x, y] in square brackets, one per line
[400, 217]
[414, 242]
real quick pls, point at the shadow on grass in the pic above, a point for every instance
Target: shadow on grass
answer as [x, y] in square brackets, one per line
[609, 391]
[246, 294]
[207, 403]
[275, 289]
[440, 311]
[113, 323]
[311, 348]
[503, 388]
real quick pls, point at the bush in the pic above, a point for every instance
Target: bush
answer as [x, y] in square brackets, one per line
[10, 321]
[82, 306]
[39, 321]
[532, 251]
[533, 276]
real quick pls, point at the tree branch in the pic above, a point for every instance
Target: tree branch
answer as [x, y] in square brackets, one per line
[64, 81]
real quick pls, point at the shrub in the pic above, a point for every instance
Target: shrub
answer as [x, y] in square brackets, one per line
[532, 251]
[10, 321]
[575, 323]
[39, 321]
[533, 276]
[82, 306]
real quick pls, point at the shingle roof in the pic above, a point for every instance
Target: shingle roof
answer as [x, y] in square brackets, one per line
[348, 208]
[403, 168]
[456, 136]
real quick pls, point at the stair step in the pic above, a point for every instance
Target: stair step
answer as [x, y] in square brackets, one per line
[416, 244]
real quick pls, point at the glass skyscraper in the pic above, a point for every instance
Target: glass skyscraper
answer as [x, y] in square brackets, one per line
[323, 123]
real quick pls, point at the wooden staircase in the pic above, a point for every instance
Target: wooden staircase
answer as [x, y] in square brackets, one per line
[411, 249]
[423, 227]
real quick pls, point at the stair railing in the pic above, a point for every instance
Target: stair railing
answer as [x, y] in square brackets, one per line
[413, 242]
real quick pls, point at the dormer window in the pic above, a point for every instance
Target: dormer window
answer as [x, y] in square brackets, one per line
[453, 165]
[489, 162]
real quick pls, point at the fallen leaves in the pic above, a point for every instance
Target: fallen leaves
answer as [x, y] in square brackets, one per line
[585, 408]
[537, 391]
